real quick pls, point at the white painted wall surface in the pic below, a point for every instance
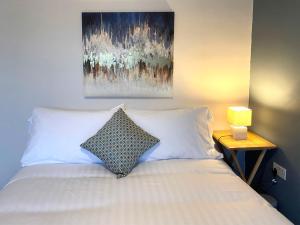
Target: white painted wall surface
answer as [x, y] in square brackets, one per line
[41, 60]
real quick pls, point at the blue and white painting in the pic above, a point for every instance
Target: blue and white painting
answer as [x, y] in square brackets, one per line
[128, 54]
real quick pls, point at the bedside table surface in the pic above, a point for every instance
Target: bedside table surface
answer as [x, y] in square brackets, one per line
[253, 142]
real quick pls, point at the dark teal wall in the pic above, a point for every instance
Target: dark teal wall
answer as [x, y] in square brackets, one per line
[275, 96]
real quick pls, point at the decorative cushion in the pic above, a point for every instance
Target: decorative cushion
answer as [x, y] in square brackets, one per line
[120, 143]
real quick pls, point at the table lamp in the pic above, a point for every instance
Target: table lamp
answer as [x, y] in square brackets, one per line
[239, 118]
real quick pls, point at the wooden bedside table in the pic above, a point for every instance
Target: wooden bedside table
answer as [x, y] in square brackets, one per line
[253, 143]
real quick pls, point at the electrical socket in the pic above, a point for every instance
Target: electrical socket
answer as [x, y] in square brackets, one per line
[281, 171]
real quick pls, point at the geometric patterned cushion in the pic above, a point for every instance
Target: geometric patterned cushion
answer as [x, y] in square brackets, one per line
[120, 143]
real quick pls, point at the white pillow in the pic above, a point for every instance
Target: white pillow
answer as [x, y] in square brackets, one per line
[183, 133]
[56, 135]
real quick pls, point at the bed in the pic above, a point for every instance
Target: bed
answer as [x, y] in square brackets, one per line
[179, 180]
[158, 193]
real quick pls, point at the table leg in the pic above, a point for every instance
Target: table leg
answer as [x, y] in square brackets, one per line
[236, 161]
[256, 166]
[227, 159]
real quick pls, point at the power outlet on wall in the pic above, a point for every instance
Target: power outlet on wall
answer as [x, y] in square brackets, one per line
[281, 171]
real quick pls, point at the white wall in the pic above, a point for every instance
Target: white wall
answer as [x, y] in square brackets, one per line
[41, 60]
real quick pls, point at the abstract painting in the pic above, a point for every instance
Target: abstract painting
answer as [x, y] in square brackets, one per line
[128, 54]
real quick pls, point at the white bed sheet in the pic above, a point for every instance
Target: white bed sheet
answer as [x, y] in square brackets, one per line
[172, 192]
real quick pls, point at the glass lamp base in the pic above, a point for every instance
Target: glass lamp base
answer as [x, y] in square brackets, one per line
[239, 132]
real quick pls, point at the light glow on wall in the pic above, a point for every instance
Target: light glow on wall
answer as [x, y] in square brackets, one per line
[275, 89]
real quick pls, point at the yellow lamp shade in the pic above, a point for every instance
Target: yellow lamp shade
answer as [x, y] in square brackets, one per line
[239, 116]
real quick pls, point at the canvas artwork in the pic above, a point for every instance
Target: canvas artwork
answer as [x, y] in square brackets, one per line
[128, 54]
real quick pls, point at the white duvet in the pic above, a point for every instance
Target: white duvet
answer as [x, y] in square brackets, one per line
[173, 192]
